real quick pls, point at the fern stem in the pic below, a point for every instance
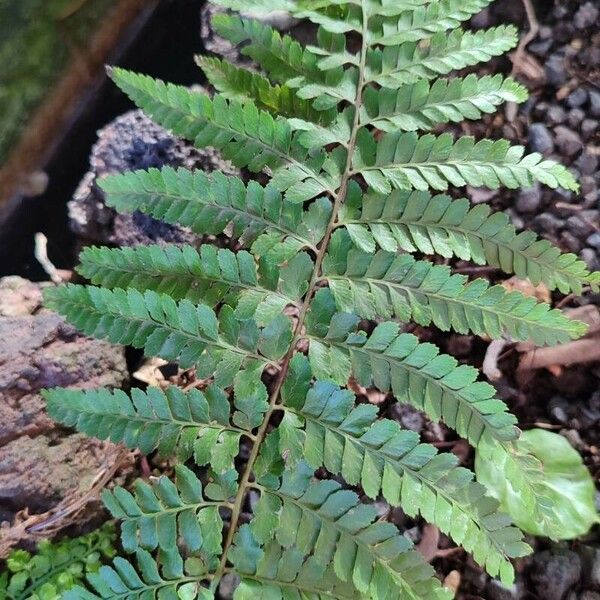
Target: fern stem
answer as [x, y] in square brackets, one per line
[339, 198]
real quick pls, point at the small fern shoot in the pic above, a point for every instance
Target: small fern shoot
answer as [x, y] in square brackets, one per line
[312, 297]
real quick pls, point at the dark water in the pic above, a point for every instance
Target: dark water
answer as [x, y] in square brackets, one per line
[163, 48]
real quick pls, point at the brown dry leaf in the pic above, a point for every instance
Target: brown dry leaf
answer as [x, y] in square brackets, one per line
[540, 292]
[452, 580]
[150, 373]
[428, 546]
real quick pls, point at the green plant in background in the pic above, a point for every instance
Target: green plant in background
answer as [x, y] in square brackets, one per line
[56, 566]
[277, 330]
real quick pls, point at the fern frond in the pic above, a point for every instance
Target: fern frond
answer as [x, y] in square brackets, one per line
[377, 454]
[207, 276]
[384, 285]
[394, 66]
[279, 573]
[330, 524]
[159, 514]
[168, 577]
[421, 106]
[418, 23]
[244, 134]
[235, 83]
[187, 424]
[216, 203]
[183, 332]
[415, 372]
[406, 161]
[417, 221]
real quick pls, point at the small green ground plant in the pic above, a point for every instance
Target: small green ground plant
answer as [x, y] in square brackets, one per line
[310, 296]
[55, 567]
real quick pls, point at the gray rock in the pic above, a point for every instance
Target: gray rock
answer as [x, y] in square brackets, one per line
[586, 15]
[594, 240]
[594, 571]
[556, 72]
[576, 115]
[577, 97]
[529, 199]
[133, 141]
[588, 128]
[590, 257]
[556, 115]
[587, 163]
[547, 223]
[579, 226]
[589, 595]
[570, 242]
[594, 96]
[554, 573]
[496, 591]
[540, 139]
[567, 141]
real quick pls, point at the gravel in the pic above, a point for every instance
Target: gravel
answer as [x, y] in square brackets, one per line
[540, 139]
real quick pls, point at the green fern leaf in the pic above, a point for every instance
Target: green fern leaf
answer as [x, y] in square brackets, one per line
[189, 424]
[421, 106]
[394, 66]
[162, 327]
[214, 204]
[423, 21]
[235, 83]
[328, 523]
[415, 372]
[209, 275]
[384, 285]
[158, 515]
[416, 221]
[406, 161]
[244, 134]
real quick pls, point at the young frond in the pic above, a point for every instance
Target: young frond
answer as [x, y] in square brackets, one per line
[330, 524]
[286, 310]
[159, 514]
[384, 285]
[421, 106]
[216, 203]
[394, 66]
[247, 136]
[418, 221]
[406, 161]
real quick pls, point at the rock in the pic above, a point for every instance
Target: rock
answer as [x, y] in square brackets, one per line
[482, 19]
[594, 240]
[529, 199]
[540, 139]
[577, 98]
[570, 242]
[39, 464]
[133, 141]
[589, 595]
[496, 591]
[587, 163]
[588, 128]
[546, 223]
[556, 72]
[567, 141]
[586, 15]
[409, 417]
[594, 570]
[555, 115]
[590, 258]
[576, 115]
[19, 297]
[579, 226]
[554, 573]
[594, 97]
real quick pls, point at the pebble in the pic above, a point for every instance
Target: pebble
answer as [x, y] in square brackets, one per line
[570, 242]
[579, 227]
[556, 72]
[556, 115]
[586, 15]
[568, 142]
[576, 115]
[587, 163]
[554, 573]
[588, 127]
[540, 139]
[547, 222]
[496, 591]
[590, 258]
[577, 98]
[594, 96]
[594, 240]
[529, 199]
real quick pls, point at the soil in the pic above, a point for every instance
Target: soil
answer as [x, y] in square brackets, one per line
[561, 119]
